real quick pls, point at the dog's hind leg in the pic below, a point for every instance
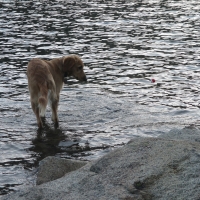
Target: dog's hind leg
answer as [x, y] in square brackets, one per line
[43, 100]
[54, 99]
[37, 113]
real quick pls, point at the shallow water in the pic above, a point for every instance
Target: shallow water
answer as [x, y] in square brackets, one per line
[124, 45]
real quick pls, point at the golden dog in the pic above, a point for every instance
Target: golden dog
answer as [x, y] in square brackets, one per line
[45, 81]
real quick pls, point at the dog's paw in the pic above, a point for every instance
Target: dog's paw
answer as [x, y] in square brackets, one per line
[40, 125]
[56, 124]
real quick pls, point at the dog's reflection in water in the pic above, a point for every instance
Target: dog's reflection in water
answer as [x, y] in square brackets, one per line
[46, 143]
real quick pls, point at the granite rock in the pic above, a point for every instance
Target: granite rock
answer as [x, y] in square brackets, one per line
[52, 168]
[166, 167]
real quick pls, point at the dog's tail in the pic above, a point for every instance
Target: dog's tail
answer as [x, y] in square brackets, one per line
[43, 100]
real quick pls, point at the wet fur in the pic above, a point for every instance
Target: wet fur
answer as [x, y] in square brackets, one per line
[45, 81]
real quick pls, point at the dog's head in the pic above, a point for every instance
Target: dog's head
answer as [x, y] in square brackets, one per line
[73, 66]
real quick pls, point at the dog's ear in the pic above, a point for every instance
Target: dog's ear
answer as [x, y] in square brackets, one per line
[68, 63]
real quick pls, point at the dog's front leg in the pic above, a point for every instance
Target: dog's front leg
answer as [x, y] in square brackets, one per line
[54, 107]
[54, 99]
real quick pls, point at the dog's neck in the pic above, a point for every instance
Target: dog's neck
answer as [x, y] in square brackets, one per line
[65, 76]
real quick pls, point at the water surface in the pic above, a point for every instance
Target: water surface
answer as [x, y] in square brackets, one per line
[124, 44]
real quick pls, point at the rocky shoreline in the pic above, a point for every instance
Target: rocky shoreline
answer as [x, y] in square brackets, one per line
[166, 167]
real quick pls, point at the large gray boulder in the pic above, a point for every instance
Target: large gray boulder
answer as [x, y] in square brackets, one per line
[164, 168]
[52, 168]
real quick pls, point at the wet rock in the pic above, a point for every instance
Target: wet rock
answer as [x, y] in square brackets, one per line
[161, 168]
[52, 168]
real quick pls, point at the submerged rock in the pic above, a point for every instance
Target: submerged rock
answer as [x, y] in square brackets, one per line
[52, 168]
[161, 168]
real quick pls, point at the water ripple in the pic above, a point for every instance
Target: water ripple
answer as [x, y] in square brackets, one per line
[124, 45]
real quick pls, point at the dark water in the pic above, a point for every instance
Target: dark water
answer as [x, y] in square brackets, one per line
[124, 44]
